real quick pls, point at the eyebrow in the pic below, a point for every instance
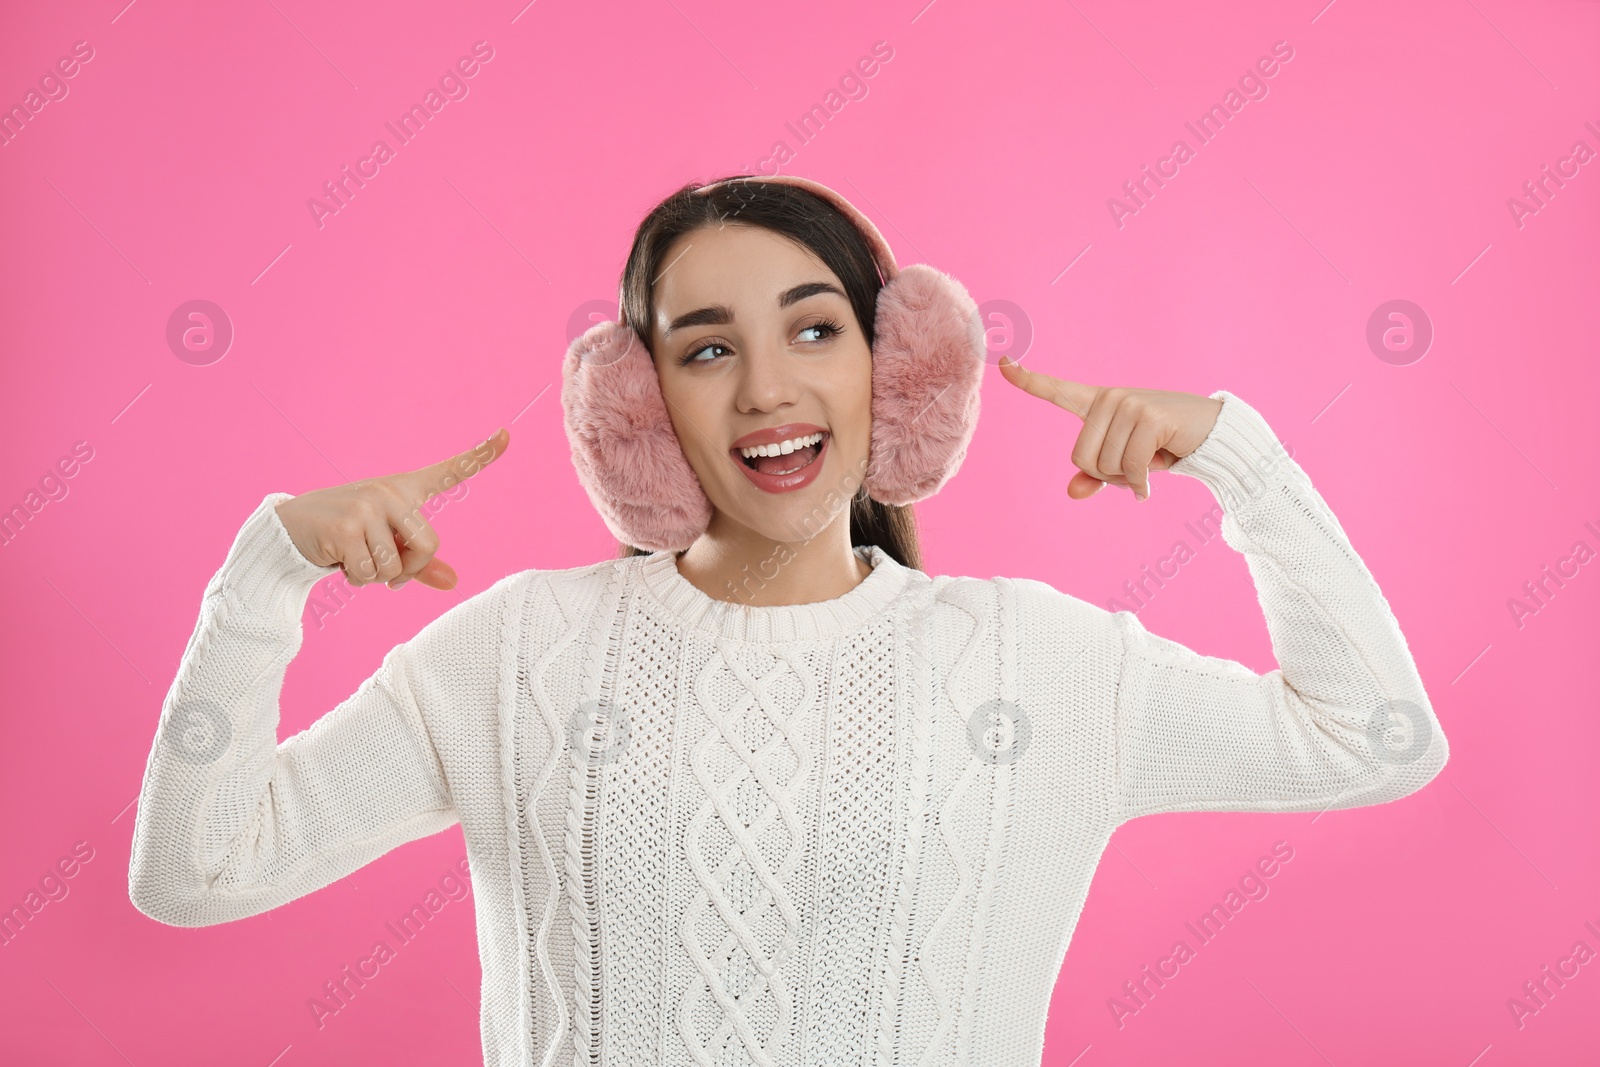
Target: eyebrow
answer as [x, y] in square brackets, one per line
[721, 314]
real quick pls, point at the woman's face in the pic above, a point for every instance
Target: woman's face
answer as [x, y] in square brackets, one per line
[753, 333]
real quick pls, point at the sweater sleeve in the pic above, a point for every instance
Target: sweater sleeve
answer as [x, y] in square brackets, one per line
[1342, 722]
[230, 822]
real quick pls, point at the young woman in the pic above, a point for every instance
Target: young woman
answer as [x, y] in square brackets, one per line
[761, 790]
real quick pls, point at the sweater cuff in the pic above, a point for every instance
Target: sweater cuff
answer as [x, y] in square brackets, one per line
[1241, 457]
[264, 567]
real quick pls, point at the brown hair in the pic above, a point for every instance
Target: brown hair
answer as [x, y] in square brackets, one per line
[811, 222]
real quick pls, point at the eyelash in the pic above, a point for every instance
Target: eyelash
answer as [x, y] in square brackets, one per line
[833, 330]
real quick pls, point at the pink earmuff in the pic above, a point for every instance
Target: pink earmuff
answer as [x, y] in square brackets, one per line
[927, 366]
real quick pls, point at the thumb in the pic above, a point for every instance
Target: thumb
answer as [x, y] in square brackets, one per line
[1083, 486]
[437, 574]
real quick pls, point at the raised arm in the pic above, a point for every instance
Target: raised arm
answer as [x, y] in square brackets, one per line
[231, 822]
[1342, 722]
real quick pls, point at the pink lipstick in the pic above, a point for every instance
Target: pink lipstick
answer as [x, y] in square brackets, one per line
[785, 473]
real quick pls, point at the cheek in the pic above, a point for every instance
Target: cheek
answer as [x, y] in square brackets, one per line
[686, 410]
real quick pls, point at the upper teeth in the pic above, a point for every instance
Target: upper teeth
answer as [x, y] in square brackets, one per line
[782, 448]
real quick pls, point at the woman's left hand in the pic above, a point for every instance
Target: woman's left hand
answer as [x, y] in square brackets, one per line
[1126, 433]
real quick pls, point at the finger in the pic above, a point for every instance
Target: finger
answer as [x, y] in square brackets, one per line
[381, 546]
[415, 540]
[1091, 439]
[1138, 455]
[1114, 444]
[438, 574]
[1073, 396]
[1082, 486]
[433, 572]
[430, 481]
[356, 558]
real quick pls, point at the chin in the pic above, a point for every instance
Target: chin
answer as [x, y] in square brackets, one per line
[796, 519]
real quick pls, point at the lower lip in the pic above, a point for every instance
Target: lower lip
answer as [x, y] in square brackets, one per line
[785, 483]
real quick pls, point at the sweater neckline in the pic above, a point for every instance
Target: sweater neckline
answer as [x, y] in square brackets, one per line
[822, 619]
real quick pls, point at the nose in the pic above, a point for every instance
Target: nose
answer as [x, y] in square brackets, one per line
[768, 378]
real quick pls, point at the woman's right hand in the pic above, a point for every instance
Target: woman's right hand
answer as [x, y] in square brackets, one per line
[373, 528]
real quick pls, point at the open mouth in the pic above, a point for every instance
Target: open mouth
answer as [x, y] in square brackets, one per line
[787, 463]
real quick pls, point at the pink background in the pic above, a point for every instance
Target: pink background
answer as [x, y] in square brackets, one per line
[435, 306]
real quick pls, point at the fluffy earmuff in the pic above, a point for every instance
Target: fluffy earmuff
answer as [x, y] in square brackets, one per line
[625, 450]
[927, 366]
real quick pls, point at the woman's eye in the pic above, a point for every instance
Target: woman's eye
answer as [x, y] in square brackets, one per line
[828, 330]
[689, 357]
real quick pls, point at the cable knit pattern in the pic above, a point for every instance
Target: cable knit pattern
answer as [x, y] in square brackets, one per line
[857, 831]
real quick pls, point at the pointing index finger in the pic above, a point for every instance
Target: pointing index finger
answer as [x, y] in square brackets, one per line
[435, 479]
[1075, 397]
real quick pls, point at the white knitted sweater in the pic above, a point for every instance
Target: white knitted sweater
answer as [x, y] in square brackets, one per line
[847, 832]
